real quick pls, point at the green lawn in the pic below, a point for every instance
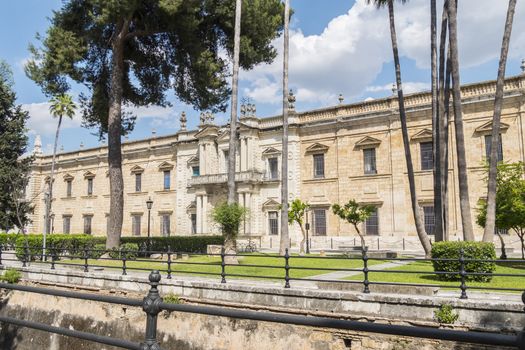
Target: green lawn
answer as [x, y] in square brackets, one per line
[425, 278]
[213, 265]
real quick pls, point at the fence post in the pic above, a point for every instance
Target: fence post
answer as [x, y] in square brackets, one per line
[53, 255]
[0, 254]
[151, 308]
[26, 253]
[124, 267]
[331, 243]
[169, 262]
[223, 266]
[366, 289]
[354, 241]
[85, 260]
[270, 242]
[403, 243]
[286, 269]
[463, 274]
[377, 243]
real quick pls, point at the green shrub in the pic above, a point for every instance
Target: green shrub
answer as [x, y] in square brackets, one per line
[171, 299]
[11, 276]
[128, 250]
[186, 244]
[445, 314]
[8, 240]
[98, 250]
[480, 251]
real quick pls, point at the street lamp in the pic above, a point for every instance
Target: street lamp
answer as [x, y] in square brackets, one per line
[149, 204]
[307, 227]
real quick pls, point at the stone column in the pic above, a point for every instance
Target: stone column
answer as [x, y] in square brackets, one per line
[202, 159]
[249, 148]
[199, 213]
[242, 157]
[250, 217]
[205, 214]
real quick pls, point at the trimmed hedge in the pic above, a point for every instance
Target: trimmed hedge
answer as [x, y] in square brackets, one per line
[73, 245]
[128, 250]
[480, 251]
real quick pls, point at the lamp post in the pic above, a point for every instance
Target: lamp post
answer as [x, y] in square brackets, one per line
[307, 227]
[149, 204]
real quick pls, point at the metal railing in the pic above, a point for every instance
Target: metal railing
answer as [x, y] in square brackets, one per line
[288, 268]
[153, 304]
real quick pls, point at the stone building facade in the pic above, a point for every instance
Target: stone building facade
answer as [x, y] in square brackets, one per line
[335, 154]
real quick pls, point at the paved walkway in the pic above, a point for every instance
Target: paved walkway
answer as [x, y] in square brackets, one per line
[336, 275]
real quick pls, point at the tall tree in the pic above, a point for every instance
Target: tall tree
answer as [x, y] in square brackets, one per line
[416, 210]
[132, 52]
[436, 135]
[14, 166]
[61, 106]
[488, 234]
[464, 201]
[285, 237]
[296, 215]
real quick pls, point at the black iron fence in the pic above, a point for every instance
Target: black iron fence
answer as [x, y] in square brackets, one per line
[290, 269]
[153, 304]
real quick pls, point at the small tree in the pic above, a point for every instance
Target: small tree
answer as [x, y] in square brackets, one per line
[296, 214]
[510, 203]
[354, 213]
[229, 218]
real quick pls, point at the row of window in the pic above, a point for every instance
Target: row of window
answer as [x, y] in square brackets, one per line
[371, 225]
[165, 224]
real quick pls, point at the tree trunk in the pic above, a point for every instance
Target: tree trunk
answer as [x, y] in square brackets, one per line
[436, 129]
[503, 251]
[233, 107]
[442, 120]
[47, 229]
[230, 243]
[420, 227]
[488, 234]
[285, 237]
[363, 243]
[116, 183]
[303, 241]
[464, 201]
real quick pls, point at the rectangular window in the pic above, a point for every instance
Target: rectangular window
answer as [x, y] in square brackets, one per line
[488, 147]
[372, 223]
[430, 219]
[66, 228]
[318, 165]
[138, 182]
[195, 170]
[135, 224]
[167, 180]
[369, 156]
[273, 171]
[226, 156]
[69, 185]
[88, 219]
[273, 223]
[193, 223]
[319, 222]
[89, 187]
[165, 227]
[427, 159]
[107, 223]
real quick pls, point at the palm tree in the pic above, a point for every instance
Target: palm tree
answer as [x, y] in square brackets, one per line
[285, 238]
[436, 135]
[488, 234]
[464, 201]
[61, 106]
[420, 227]
[230, 244]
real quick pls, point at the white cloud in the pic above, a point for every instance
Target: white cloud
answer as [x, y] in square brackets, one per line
[351, 51]
[41, 122]
[408, 87]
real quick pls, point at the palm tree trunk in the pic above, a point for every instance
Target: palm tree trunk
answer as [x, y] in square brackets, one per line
[420, 228]
[49, 201]
[436, 130]
[488, 234]
[116, 183]
[442, 122]
[464, 201]
[285, 238]
[233, 107]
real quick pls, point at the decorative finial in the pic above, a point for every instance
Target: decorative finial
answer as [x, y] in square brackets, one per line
[153, 132]
[202, 118]
[183, 121]
[81, 144]
[394, 89]
[522, 66]
[209, 118]
[62, 148]
[291, 100]
[37, 149]
[341, 99]
[243, 110]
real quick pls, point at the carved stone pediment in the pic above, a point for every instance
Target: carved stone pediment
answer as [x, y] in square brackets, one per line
[317, 148]
[486, 128]
[137, 170]
[68, 177]
[368, 142]
[271, 204]
[165, 166]
[270, 151]
[89, 175]
[422, 136]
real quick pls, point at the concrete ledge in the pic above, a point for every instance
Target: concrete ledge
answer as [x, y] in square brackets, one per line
[476, 314]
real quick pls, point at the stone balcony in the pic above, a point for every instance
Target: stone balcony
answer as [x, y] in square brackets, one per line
[249, 176]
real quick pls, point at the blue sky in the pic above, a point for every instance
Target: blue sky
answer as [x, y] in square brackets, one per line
[337, 46]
